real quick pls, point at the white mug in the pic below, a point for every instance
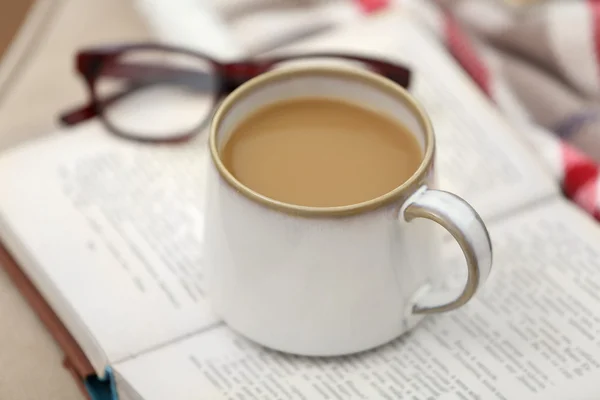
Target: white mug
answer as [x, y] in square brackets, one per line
[333, 280]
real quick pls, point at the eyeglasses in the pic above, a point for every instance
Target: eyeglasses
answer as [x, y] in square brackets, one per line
[156, 93]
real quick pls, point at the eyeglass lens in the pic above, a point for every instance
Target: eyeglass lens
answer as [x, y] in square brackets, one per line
[156, 94]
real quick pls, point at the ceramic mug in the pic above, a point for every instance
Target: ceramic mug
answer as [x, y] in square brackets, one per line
[333, 280]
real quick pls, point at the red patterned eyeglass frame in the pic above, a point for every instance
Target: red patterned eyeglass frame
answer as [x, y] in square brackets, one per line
[92, 62]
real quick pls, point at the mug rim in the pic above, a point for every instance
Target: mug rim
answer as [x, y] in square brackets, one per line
[379, 82]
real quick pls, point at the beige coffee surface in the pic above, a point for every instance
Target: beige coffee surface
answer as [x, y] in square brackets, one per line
[321, 152]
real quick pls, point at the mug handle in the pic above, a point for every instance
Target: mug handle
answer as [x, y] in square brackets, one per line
[467, 228]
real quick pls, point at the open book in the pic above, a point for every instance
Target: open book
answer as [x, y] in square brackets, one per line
[109, 232]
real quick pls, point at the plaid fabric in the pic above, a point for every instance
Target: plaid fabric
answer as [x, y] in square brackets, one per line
[540, 64]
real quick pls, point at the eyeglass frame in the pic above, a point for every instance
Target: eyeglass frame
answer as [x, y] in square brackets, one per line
[89, 63]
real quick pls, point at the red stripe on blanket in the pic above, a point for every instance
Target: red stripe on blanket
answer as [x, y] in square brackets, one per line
[370, 6]
[581, 178]
[465, 53]
[594, 6]
[586, 197]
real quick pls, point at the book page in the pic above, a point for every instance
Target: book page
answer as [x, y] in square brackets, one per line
[531, 334]
[479, 155]
[111, 234]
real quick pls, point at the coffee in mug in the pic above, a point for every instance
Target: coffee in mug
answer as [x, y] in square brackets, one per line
[321, 152]
[321, 192]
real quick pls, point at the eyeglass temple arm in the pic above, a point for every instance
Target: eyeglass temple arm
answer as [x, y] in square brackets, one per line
[237, 73]
[140, 75]
[78, 115]
[91, 110]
